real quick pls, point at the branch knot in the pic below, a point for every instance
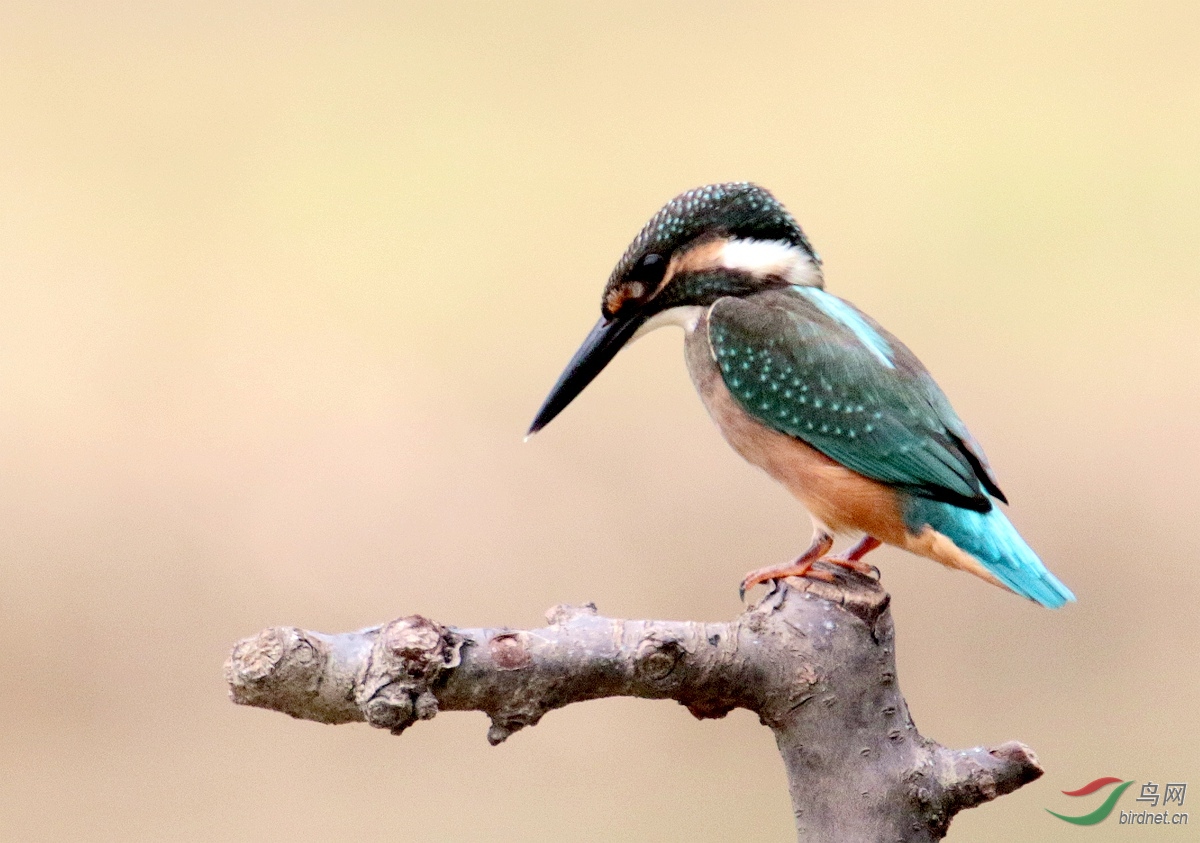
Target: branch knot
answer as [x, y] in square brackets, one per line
[408, 658]
[657, 655]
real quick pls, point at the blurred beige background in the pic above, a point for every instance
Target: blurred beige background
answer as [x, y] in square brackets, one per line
[281, 286]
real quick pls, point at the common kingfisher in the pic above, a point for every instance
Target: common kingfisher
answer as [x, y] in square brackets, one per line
[808, 388]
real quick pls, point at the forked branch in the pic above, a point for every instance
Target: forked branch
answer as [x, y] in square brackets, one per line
[814, 660]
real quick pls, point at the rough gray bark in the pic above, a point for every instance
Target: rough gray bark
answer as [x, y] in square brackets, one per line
[814, 660]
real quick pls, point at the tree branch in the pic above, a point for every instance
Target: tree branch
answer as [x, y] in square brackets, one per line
[814, 660]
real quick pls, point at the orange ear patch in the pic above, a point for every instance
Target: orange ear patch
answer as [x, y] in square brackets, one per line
[705, 255]
[615, 299]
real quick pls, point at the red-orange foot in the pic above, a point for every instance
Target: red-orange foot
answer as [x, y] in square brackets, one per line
[801, 566]
[852, 558]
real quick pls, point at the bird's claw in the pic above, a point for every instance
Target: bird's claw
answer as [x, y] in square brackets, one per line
[776, 574]
[801, 566]
[857, 566]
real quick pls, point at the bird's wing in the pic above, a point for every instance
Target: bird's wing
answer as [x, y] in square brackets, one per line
[810, 365]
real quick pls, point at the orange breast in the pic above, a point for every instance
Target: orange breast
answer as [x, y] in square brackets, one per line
[842, 499]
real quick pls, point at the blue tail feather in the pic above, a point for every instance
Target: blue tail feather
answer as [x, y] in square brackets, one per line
[992, 539]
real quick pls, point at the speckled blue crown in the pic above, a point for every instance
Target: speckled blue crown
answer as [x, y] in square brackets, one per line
[737, 209]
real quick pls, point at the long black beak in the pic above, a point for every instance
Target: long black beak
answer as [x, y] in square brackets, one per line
[601, 346]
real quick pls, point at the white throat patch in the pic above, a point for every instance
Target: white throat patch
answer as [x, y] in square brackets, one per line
[685, 316]
[771, 258]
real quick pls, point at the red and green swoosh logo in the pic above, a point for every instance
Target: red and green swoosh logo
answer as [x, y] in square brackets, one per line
[1101, 813]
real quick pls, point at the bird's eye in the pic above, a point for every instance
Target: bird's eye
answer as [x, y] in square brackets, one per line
[649, 268]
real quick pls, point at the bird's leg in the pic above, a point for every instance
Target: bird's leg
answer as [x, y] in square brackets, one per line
[798, 567]
[852, 558]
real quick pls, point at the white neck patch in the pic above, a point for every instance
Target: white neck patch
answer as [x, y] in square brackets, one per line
[771, 258]
[685, 316]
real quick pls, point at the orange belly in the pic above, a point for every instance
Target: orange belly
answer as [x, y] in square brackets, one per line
[841, 500]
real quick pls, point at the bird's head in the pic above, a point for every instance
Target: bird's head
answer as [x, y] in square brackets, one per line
[719, 240]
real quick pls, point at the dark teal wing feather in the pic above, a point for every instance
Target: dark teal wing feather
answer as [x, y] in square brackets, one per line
[810, 365]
